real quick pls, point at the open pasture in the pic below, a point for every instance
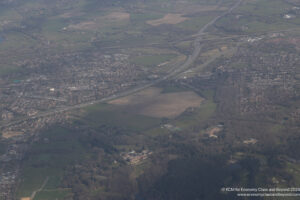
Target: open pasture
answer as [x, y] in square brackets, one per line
[153, 103]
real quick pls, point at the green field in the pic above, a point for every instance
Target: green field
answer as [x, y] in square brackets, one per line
[52, 194]
[48, 158]
[264, 8]
[195, 23]
[3, 146]
[5, 70]
[46, 29]
[201, 114]
[105, 114]
[152, 60]
[114, 150]
[61, 147]
[260, 16]
[171, 89]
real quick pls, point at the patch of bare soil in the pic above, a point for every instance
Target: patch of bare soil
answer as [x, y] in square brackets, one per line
[168, 19]
[118, 16]
[152, 102]
[100, 22]
[89, 25]
[9, 134]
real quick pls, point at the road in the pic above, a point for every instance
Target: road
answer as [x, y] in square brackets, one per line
[189, 61]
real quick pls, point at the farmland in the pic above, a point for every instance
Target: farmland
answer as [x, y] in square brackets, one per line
[147, 100]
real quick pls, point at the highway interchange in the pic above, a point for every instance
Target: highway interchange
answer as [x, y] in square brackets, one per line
[177, 70]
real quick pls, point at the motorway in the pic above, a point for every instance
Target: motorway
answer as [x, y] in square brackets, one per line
[181, 68]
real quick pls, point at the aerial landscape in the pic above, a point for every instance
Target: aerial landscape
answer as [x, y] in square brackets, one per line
[149, 100]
